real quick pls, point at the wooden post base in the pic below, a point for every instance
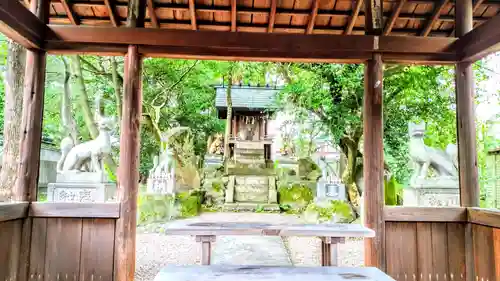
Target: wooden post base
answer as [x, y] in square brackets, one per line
[206, 247]
[329, 250]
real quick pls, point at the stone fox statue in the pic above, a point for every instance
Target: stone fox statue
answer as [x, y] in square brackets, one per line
[445, 163]
[91, 152]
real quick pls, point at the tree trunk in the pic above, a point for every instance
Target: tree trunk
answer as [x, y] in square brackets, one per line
[117, 84]
[13, 107]
[68, 122]
[76, 68]
[229, 117]
[349, 174]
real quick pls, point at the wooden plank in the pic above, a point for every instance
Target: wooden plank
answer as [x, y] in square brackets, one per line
[481, 41]
[152, 14]
[354, 17]
[192, 13]
[456, 251]
[74, 210]
[373, 162]
[439, 250]
[12, 211]
[10, 245]
[401, 250]
[128, 174]
[261, 273]
[38, 250]
[496, 252]
[111, 12]
[62, 256]
[424, 250]
[425, 214]
[435, 17]
[73, 18]
[484, 258]
[239, 228]
[312, 17]
[19, 24]
[98, 239]
[488, 217]
[233, 15]
[394, 16]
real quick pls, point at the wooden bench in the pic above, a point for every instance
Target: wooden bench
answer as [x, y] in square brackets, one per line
[269, 273]
[330, 234]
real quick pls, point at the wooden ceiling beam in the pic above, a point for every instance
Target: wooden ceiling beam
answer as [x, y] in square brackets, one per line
[152, 14]
[73, 18]
[480, 42]
[111, 12]
[272, 16]
[312, 16]
[392, 20]
[192, 12]
[354, 17]
[251, 45]
[435, 18]
[234, 15]
[373, 17]
[22, 26]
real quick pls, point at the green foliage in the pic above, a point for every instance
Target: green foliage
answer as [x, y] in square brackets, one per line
[154, 207]
[319, 213]
[391, 189]
[297, 196]
[189, 203]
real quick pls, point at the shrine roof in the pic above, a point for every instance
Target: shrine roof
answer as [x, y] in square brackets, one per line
[247, 97]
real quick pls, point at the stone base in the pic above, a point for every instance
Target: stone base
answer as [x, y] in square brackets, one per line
[81, 192]
[81, 177]
[252, 207]
[431, 197]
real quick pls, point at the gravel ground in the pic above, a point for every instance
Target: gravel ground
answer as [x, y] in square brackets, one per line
[155, 250]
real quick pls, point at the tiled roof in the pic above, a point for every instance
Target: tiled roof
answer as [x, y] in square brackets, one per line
[247, 97]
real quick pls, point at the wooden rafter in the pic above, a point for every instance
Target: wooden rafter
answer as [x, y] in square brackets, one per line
[312, 17]
[111, 12]
[152, 13]
[434, 18]
[354, 17]
[19, 24]
[272, 16]
[69, 12]
[392, 20]
[233, 15]
[474, 8]
[192, 12]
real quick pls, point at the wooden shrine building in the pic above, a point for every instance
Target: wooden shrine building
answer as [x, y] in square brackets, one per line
[52, 241]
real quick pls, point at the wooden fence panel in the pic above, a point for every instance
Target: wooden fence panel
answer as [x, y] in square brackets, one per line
[72, 249]
[484, 252]
[10, 245]
[425, 251]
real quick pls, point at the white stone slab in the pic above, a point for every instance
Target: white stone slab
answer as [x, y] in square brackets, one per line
[269, 273]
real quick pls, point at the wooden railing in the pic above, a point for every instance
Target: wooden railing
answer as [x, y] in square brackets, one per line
[67, 241]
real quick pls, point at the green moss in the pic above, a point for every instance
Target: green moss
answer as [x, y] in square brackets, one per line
[308, 170]
[296, 196]
[325, 212]
[189, 203]
[154, 207]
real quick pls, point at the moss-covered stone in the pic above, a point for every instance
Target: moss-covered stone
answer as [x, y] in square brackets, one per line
[189, 203]
[155, 207]
[308, 170]
[295, 196]
[329, 211]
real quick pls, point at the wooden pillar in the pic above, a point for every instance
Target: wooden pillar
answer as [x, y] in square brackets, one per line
[373, 162]
[128, 170]
[466, 128]
[233, 127]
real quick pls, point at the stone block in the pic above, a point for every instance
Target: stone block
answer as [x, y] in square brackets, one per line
[81, 177]
[230, 190]
[249, 145]
[81, 192]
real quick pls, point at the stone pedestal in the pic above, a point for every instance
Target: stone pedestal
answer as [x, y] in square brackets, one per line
[81, 192]
[73, 186]
[439, 192]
